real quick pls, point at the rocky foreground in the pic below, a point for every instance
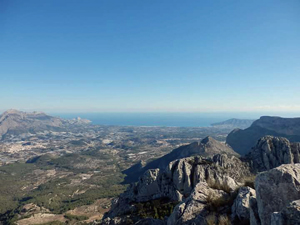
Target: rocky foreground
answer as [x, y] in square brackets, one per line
[260, 189]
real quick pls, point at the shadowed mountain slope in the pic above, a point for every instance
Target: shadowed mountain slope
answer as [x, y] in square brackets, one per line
[243, 140]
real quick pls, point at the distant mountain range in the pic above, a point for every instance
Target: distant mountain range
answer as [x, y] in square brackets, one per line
[242, 140]
[17, 122]
[234, 123]
[208, 147]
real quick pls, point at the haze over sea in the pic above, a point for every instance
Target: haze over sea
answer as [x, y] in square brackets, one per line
[170, 119]
[155, 119]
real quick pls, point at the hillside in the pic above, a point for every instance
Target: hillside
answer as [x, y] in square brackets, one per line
[234, 123]
[243, 140]
[208, 147]
[17, 122]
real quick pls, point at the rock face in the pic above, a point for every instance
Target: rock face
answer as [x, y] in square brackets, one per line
[198, 184]
[210, 190]
[254, 216]
[241, 206]
[271, 152]
[208, 147]
[16, 122]
[275, 189]
[243, 140]
[193, 209]
[189, 179]
[288, 216]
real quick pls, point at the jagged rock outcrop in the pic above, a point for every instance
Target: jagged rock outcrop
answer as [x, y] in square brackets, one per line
[288, 216]
[295, 148]
[193, 209]
[180, 181]
[208, 147]
[254, 216]
[271, 152]
[192, 182]
[241, 206]
[243, 140]
[275, 189]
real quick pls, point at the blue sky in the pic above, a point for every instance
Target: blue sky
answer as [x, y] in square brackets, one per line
[150, 55]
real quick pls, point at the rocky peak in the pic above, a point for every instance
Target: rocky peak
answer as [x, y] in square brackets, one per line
[271, 152]
[179, 180]
[208, 139]
[208, 147]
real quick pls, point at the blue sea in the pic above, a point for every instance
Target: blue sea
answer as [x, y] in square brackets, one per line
[151, 119]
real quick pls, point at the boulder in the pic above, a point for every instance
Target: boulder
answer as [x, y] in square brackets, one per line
[271, 152]
[193, 209]
[241, 206]
[288, 216]
[275, 189]
[254, 216]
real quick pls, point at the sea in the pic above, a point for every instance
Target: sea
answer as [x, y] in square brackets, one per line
[153, 119]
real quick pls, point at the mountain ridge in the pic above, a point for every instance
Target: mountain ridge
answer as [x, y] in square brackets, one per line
[234, 123]
[207, 147]
[15, 121]
[242, 140]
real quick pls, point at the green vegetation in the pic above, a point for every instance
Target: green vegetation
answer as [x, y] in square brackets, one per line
[249, 181]
[23, 183]
[13, 180]
[215, 185]
[157, 209]
[52, 223]
[213, 219]
[75, 217]
[214, 203]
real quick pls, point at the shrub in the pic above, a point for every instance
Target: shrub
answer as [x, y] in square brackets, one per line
[56, 222]
[157, 209]
[214, 203]
[224, 220]
[249, 181]
[75, 217]
[211, 219]
[219, 186]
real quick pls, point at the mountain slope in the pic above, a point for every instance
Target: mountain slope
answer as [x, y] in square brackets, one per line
[243, 140]
[234, 123]
[208, 147]
[16, 122]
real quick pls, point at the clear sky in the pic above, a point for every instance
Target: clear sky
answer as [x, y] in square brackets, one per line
[150, 55]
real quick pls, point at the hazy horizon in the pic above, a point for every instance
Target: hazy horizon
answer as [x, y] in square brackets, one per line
[214, 114]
